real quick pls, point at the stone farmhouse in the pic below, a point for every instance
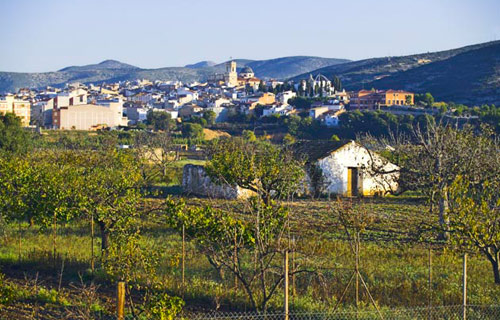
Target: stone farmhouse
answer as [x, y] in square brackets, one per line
[347, 169]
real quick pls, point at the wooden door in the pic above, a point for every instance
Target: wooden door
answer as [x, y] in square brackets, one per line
[352, 182]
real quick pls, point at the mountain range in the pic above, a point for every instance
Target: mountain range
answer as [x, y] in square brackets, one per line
[469, 75]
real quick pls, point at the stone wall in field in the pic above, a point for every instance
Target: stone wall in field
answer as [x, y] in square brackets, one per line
[195, 181]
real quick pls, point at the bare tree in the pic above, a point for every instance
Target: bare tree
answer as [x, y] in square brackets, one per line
[430, 159]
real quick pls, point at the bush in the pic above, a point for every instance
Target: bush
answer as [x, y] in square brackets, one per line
[164, 307]
[8, 292]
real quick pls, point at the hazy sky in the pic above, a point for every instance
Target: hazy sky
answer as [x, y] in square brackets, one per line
[47, 35]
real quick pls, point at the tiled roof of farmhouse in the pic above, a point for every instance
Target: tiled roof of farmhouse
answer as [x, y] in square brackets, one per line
[316, 149]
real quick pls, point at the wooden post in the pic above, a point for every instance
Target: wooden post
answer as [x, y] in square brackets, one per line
[464, 286]
[286, 284]
[183, 255]
[356, 266]
[235, 258]
[20, 237]
[120, 301]
[430, 283]
[294, 292]
[92, 263]
[54, 235]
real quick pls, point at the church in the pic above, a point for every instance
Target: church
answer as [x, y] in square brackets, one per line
[232, 79]
[229, 78]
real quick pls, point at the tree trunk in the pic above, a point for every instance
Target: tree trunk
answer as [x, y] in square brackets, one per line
[494, 258]
[444, 219]
[104, 236]
[496, 271]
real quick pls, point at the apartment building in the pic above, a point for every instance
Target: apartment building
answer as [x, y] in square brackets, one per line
[21, 108]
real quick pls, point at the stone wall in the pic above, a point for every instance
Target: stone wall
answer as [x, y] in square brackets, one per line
[195, 181]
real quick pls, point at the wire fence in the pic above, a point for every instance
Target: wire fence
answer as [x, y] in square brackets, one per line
[453, 312]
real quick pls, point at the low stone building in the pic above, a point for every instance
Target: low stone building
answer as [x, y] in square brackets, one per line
[195, 181]
[347, 169]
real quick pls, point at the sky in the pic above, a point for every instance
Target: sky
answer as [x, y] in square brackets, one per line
[47, 35]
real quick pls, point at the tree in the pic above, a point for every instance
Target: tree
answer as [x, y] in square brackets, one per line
[337, 84]
[262, 88]
[288, 139]
[192, 131]
[429, 99]
[160, 121]
[14, 138]
[475, 218]
[210, 117]
[250, 249]
[112, 188]
[431, 158]
[157, 153]
[249, 135]
[268, 170]
[408, 99]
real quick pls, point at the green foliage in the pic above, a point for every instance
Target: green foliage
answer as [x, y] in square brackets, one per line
[300, 102]
[288, 139]
[9, 292]
[41, 187]
[210, 117]
[474, 216]
[228, 241]
[266, 169]
[337, 83]
[164, 307]
[51, 296]
[160, 121]
[14, 138]
[192, 131]
[380, 124]
[249, 135]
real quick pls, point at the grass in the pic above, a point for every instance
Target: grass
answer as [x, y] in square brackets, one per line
[393, 263]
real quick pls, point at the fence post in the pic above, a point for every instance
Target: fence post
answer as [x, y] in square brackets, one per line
[430, 283]
[286, 284]
[464, 286]
[120, 300]
[183, 257]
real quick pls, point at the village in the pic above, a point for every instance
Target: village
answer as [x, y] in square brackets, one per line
[117, 105]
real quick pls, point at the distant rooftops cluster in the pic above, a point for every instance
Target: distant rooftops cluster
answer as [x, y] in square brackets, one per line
[113, 105]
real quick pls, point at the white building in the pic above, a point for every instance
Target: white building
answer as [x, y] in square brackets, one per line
[347, 168]
[284, 96]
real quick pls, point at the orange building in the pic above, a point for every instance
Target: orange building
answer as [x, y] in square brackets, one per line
[375, 99]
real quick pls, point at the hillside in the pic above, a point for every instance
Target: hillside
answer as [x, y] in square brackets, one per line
[111, 70]
[286, 67]
[471, 77]
[201, 64]
[106, 64]
[397, 72]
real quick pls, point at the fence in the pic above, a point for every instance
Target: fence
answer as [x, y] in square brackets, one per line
[433, 313]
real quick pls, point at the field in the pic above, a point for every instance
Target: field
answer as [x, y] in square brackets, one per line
[394, 262]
